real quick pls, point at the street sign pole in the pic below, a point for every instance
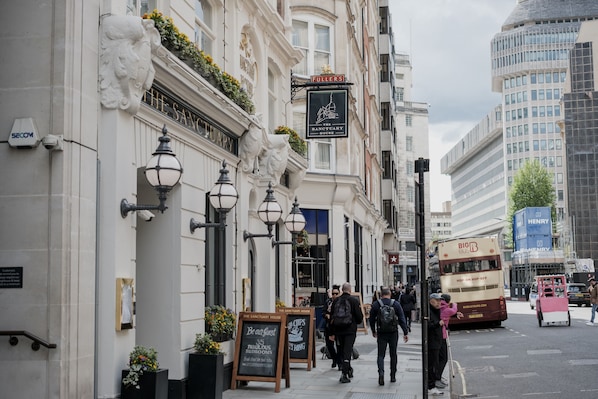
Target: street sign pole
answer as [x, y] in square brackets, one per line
[421, 166]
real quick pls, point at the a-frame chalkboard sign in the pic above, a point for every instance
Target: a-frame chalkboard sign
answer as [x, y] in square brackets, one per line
[301, 327]
[363, 325]
[261, 349]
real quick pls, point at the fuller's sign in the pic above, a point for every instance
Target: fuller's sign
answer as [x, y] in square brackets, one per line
[327, 113]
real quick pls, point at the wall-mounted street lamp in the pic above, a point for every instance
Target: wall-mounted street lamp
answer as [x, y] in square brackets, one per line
[269, 212]
[223, 197]
[163, 171]
[295, 222]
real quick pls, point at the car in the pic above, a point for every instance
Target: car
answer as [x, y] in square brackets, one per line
[578, 294]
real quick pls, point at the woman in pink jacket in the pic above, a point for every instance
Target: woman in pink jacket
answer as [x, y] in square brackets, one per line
[447, 310]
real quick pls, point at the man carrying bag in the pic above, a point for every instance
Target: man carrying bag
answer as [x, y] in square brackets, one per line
[346, 315]
[386, 316]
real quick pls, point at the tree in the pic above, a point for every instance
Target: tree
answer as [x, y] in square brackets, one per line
[532, 186]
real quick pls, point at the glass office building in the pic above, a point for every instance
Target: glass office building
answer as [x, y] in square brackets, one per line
[529, 63]
[580, 103]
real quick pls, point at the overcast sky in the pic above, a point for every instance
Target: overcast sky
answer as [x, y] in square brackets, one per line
[449, 44]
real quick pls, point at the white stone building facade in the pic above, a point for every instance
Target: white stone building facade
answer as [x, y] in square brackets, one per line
[94, 75]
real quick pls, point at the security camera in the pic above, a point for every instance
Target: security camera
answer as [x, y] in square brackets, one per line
[52, 142]
[145, 215]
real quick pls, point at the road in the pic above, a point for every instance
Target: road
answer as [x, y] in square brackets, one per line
[521, 360]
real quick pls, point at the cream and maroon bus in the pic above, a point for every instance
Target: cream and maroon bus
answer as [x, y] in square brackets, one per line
[470, 271]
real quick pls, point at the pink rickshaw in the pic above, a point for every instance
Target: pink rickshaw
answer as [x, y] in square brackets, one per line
[552, 305]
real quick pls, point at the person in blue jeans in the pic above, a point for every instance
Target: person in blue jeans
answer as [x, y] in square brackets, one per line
[593, 290]
[387, 335]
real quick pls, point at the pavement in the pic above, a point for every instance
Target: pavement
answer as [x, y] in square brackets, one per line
[322, 381]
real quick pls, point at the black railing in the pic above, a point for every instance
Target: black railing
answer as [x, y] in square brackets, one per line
[35, 345]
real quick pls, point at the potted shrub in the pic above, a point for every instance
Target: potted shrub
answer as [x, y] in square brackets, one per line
[144, 378]
[220, 322]
[206, 369]
[295, 141]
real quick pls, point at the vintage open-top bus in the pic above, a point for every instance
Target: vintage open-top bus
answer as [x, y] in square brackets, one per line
[470, 271]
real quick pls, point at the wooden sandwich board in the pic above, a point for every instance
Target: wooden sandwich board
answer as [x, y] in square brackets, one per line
[261, 349]
[301, 326]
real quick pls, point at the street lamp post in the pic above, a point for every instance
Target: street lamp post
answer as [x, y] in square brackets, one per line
[295, 223]
[223, 197]
[269, 212]
[163, 171]
[421, 166]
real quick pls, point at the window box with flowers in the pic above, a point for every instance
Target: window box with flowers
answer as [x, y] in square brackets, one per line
[144, 378]
[220, 322]
[206, 369]
[179, 44]
[295, 141]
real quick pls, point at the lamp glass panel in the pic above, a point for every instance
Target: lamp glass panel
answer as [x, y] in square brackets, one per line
[295, 222]
[269, 212]
[163, 170]
[223, 196]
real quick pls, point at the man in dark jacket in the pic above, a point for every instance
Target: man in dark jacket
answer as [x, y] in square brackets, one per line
[345, 334]
[434, 342]
[330, 343]
[407, 301]
[387, 337]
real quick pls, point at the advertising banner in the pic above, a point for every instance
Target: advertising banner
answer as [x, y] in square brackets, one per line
[534, 243]
[532, 221]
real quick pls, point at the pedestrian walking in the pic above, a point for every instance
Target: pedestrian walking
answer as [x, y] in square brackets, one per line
[593, 290]
[346, 315]
[435, 324]
[386, 316]
[447, 311]
[407, 302]
[333, 353]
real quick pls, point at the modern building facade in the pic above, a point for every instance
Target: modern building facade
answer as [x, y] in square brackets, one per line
[476, 167]
[529, 63]
[441, 223]
[580, 102]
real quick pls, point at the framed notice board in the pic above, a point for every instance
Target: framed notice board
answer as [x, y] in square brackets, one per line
[261, 349]
[363, 325]
[300, 328]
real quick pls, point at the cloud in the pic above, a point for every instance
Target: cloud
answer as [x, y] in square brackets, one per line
[449, 44]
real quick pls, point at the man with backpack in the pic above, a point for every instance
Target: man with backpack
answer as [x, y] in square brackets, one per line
[346, 315]
[386, 315]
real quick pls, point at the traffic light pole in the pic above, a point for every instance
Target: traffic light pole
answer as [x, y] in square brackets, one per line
[421, 166]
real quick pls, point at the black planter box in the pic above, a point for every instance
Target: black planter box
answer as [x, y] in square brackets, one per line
[152, 385]
[206, 374]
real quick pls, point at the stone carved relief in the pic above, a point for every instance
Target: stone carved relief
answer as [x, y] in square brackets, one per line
[274, 157]
[248, 65]
[126, 69]
[251, 144]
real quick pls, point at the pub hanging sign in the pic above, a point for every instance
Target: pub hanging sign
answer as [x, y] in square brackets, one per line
[327, 113]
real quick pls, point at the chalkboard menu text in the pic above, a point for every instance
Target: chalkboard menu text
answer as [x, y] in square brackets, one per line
[300, 325]
[261, 350]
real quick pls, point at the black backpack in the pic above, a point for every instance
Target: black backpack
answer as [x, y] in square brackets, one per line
[342, 316]
[387, 320]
